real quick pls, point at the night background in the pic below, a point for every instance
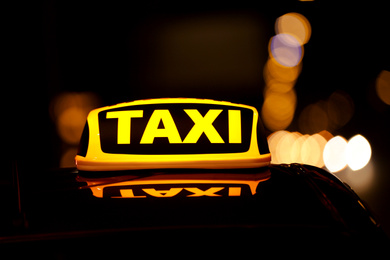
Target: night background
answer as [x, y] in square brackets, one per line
[87, 54]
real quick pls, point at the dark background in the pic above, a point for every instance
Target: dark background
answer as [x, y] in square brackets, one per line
[124, 51]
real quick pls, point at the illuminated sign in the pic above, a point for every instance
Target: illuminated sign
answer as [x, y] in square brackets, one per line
[173, 133]
[185, 185]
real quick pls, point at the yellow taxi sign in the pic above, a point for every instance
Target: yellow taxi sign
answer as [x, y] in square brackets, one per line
[173, 133]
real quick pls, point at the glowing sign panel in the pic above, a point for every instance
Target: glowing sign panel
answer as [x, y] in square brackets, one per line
[173, 133]
[175, 129]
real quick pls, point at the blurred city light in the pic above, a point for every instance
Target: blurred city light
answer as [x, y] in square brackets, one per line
[330, 114]
[286, 49]
[312, 150]
[275, 71]
[278, 110]
[334, 154]
[69, 111]
[383, 86]
[70, 124]
[282, 70]
[358, 152]
[294, 24]
[293, 147]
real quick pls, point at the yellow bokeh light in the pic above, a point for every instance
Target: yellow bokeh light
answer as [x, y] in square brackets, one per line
[295, 24]
[312, 150]
[278, 110]
[334, 154]
[70, 124]
[283, 148]
[326, 135]
[358, 152]
[296, 148]
[293, 147]
[279, 87]
[69, 111]
[273, 141]
[274, 70]
[383, 86]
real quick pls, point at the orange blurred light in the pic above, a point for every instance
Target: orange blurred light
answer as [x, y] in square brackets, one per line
[70, 124]
[69, 111]
[326, 135]
[296, 149]
[278, 110]
[312, 150]
[287, 147]
[273, 141]
[383, 86]
[283, 148]
[295, 24]
[275, 71]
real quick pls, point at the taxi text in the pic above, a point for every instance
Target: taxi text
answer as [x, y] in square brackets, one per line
[202, 124]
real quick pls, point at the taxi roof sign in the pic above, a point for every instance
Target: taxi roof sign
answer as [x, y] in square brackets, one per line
[173, 133]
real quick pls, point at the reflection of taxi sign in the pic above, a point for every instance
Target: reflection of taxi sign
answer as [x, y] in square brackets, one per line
[188, 185]
[173, 133]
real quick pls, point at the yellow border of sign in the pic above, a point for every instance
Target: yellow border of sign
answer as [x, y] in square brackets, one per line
[97, 160]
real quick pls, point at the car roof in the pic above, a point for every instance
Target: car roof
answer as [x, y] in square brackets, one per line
[289, 200]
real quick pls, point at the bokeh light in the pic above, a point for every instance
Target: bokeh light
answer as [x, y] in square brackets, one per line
[338, 153]
[294, 24]
[278, 109]
[286, 50]
[293, 147]
[330, 114]
[275, 71]
[70, 124]
[358, 152]
[334, 154]
[312, 150]
[382, 86]
[69, 111]
[282, 69]
[273, 142]
[320, 149]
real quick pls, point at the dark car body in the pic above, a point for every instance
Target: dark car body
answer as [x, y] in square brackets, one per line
[293, 206]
